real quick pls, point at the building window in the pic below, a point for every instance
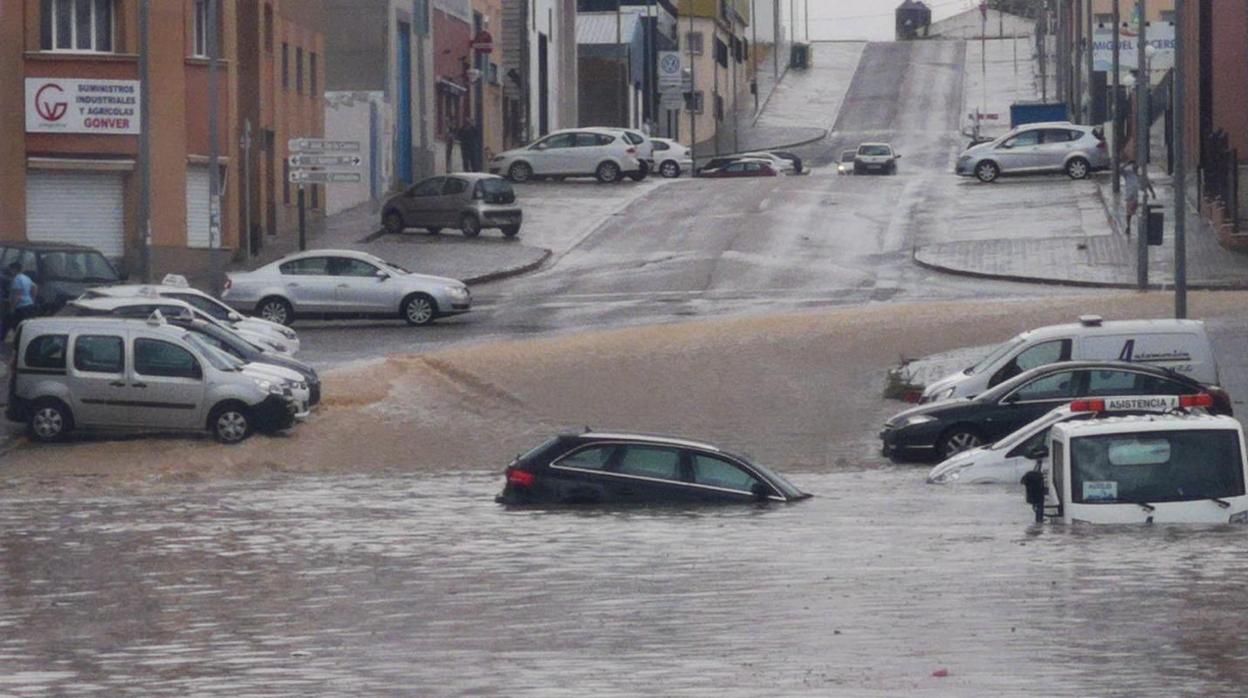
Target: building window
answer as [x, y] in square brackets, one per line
[286, 182]
[201, 29]
[316, 196]
[1104, 18]
[1167, 16]
[693, 43]
[299, 70]
[693, 102]
[268, 28]
[721, 53]
[312, 84]
[77, 25]
[285, 66]
[719, 108]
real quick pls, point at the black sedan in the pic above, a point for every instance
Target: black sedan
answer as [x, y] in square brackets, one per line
[241, 349]
[600, 467]
[941, 429]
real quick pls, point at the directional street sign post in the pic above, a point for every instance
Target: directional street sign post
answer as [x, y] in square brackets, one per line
[321, 161]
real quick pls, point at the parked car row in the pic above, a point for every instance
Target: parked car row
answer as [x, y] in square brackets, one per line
[1144, 436]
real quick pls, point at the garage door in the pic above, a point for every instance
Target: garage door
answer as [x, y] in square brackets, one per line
[84, 208]
[197, 188]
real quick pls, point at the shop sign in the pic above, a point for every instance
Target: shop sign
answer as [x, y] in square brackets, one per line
[102, 107]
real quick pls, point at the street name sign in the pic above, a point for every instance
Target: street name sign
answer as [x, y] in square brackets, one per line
[324, 177]
[320, 145]
[302, 160]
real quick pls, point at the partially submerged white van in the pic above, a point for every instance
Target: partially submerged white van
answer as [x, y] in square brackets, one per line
[1180, 345]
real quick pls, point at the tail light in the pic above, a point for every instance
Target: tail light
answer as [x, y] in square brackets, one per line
[520, 478]
[1087, 406]
[1100, 145]
[631, 151]
[1198, 400]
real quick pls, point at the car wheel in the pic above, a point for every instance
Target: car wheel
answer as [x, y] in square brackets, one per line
[393, 222]
[670, 169]
[1078, 168]
[277, 310]
[49, 420]
[987, 171]
[470, 225]
[230, 422]
[511, 230]
[608, 172]
[419, 309]
[520, 172]
[957, 440]
[637, 176]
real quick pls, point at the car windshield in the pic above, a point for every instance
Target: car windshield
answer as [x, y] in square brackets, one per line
[1156, 466]
[491, 186]
[787, 489]
[88, 266]
[1040, 425]
[994, 356]
[232, 339]
[219, 359]
[875, 150]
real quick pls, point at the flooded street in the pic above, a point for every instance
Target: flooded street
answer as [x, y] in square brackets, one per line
[421, 585]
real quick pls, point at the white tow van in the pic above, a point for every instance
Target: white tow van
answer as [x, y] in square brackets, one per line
[109, 373]
[1178, 467]
[1180, 345]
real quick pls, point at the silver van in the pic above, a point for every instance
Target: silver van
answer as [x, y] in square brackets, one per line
[109, 373]
[1179, 345]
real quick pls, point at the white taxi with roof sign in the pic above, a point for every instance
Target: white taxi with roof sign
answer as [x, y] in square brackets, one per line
[1006, 460]
[1176, 467]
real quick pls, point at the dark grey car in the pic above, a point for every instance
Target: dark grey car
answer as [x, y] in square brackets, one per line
[62, 271]
[469, 201]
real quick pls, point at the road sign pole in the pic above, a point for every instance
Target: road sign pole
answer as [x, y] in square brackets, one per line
[303, 222]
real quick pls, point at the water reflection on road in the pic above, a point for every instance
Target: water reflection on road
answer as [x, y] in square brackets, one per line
[420, 585]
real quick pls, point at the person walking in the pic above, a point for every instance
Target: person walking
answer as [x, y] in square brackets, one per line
[22, 292]
[1131, 191]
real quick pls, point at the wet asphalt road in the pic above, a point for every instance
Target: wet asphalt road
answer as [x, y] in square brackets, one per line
[705, 248]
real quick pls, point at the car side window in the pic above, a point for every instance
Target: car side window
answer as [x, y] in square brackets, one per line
[99, 354]
[454, 185]
[1043, 354]
[1114, 383]
[592, 458]
[1023, 139]
[650, 461]
[346, 266]
[633, 138]
[429, 187]
[153, 357]
[1057, 135]
[47, 351]
[735, 167]
[308, 266]
[715, 472]
[587, 140]
[560, 140]
[753, 167]
[1055, 386]
[660, 145]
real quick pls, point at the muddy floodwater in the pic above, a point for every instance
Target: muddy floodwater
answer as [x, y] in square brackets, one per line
[422, 586]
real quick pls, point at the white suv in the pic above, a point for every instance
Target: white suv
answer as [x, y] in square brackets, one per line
[585, 152]
[73, 373]
[1050, 147]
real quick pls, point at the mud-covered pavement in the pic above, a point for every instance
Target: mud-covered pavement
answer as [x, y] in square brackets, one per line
[418, 585]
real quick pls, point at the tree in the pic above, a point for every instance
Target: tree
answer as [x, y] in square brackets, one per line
[1022, 8]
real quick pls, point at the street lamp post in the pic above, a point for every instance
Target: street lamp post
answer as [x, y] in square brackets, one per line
[1141, 148]
[145, 145]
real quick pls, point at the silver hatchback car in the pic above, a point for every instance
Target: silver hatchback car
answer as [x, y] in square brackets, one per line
[469, 201]
[1059, 146]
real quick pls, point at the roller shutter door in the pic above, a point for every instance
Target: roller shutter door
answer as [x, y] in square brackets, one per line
[83, 208]
[197, 217]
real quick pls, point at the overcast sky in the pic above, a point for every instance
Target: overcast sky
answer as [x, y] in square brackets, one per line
[863, 19]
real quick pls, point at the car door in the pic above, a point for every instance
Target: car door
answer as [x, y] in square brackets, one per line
[580, 476]
[589, 151]
[359, 288]
[717, 479]
[1056, 144]
[308, 284]
[422, 203]
[1019, 153]
[1032, 400]
[645, 473]
[557, 156]
[168, 384]
[102, 391]
[453, 201]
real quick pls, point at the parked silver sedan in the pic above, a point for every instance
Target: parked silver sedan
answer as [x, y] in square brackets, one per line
[1049, 147]
[343, 284]
[470, 201]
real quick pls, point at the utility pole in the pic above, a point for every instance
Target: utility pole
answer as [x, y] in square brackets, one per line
[983, 64]
[145, 144]
[1059, 54]
[214, 156]
[1076, 68]
[693, 96]
[245, 235]
[806, 14]
[779, 35]
[1087, 39]
[1180, 164]
[1141, 148]
[1116, 132]
[1042, 31]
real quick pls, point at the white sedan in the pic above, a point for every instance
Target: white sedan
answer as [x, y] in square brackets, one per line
[779, 164]
[672, 158]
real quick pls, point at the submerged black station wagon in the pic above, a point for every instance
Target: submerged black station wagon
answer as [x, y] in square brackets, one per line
[601, 467]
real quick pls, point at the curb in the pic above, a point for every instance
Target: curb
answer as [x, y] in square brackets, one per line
[508, 273]
[1073, 283]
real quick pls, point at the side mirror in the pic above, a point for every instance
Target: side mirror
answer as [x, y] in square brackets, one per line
[539, 146]
[1036, 489]
[761, 492]
[381, 275]
[1040, 452]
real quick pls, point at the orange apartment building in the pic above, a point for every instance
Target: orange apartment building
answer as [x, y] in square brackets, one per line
[69, 123]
